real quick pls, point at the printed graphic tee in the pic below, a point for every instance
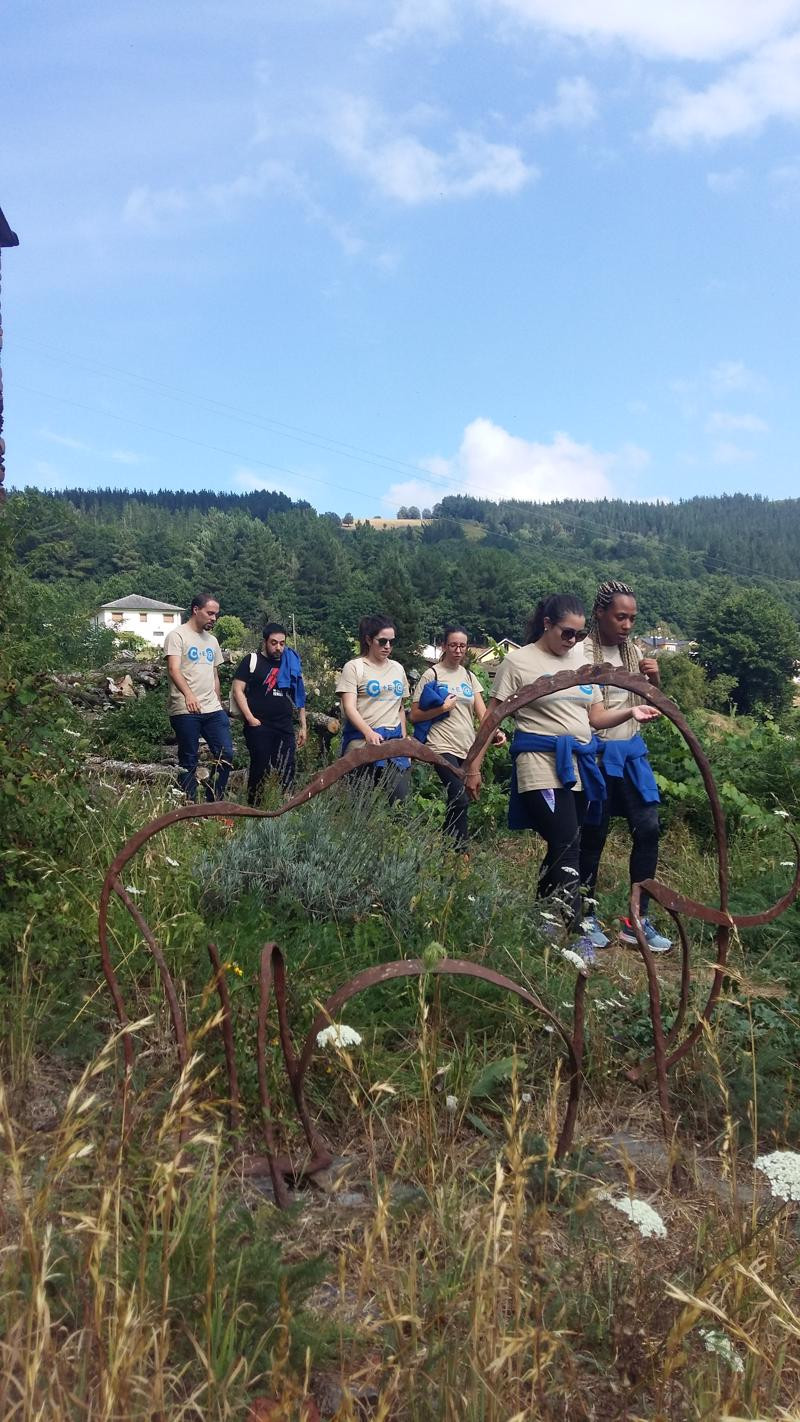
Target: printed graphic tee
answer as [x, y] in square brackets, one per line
[615, 698]
[200, 653]
[271, 706]
[562, 713]
[379, 692]
[455, 734]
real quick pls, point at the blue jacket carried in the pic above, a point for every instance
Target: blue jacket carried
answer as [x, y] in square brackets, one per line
[290, 677]
[620, 758]
[388, 733]
[435, 693]
[565, 747]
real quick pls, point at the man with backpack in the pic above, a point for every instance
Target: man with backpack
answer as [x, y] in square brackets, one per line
[267, 689]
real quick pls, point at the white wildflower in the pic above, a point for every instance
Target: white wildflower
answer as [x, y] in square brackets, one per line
[173, 863]
[77, 735]
[526, 1098]
[339, 1035]
[782, 1169]
[471, 898]
[647, 1220]
[549, 918]
[787, 864]
[565, 869]
[575, 959]
[129, 889]
[546, 1027]
[91, 809]
[451, 1102]
[593, 902]
[782, 814]
[718, 1342]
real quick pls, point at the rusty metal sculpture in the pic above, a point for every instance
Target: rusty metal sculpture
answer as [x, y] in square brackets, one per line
[667, 1050]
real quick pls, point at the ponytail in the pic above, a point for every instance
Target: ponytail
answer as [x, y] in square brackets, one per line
[552, 608]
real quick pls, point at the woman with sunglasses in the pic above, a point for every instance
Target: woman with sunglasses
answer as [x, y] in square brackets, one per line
[448, 700]
[371, 688]
[553, 782]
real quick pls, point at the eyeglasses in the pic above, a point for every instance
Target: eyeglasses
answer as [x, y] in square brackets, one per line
[456, 646]
[570, 634]
[385, 641]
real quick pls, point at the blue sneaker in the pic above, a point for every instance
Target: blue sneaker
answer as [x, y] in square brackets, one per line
[656, 941]
[592, 927]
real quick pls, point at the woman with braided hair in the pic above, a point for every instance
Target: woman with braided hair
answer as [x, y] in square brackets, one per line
[632, 790]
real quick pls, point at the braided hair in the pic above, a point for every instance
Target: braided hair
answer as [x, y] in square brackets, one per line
[603, 599]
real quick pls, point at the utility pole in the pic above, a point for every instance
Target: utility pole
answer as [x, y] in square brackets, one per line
[7, 239]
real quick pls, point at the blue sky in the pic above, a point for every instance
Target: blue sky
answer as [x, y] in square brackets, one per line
[372, 254]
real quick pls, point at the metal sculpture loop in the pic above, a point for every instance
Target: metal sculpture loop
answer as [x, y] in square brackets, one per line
[667, 1049]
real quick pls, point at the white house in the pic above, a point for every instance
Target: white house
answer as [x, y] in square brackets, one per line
[145, 616]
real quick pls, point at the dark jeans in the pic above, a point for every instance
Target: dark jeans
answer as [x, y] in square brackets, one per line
[643, 822]
[456, 820]
[215, 729]
[560, 829]
[269, 750]
[395, 782]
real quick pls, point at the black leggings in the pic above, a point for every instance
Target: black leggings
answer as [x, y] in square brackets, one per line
[625, 801]
[456, 820]
[560, 828]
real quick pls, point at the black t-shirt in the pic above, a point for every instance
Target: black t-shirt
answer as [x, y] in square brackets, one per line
[273, 708]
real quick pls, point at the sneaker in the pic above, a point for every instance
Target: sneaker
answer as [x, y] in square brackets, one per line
[656, 941]
[594, 931]
[585, 948]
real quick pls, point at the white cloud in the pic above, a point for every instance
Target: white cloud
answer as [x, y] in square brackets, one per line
[125, 456]
[764, 86]
[149, 208]
[743, 423]
[785, 182]
[732, 376]
[431, 20]
[728, 453]
[727, 181]
[66, 441]
[404, 168]
[685, 29]
[575, 106]
[493, 464]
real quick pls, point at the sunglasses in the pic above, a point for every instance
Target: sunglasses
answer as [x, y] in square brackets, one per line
[569, 634]
[385, 641]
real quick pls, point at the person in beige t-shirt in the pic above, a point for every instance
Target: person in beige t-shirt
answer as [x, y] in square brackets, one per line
[612, 623]
[555, 810]
[372, 688]
[195, 706]
[451, 724]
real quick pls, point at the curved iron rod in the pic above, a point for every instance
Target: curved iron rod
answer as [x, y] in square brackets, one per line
[221, 985]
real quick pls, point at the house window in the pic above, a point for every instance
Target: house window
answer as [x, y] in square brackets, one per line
[142, 616]
[157, 632]
[169, 616]
[116, 616]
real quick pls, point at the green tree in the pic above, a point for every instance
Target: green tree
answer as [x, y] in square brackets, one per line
[230, 632]
[746, 634]
[397, 600]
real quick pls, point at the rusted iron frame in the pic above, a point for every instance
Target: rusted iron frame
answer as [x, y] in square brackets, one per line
[221, 984]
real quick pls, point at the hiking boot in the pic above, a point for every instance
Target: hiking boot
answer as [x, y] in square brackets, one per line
[656, 941]
[594, 931]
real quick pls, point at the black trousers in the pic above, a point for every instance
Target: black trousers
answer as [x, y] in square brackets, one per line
[269, 750]
[625, 801]
[560, 829]
[456, 819]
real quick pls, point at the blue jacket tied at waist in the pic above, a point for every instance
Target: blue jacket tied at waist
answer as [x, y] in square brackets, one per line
[565, 747]
[388, 733]
[620, 758]
[290, 677]
[435, 693]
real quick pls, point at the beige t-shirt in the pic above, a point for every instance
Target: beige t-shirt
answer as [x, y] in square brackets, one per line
[456, 732]
[200, 653]
[615, 698]
[562, 713]
[379, 692]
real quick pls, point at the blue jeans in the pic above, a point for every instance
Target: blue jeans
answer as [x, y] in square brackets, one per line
[215, 728]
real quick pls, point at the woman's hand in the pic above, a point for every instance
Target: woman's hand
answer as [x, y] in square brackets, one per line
[499, 738]
[645, 713]
[448, 703]
[372, 738]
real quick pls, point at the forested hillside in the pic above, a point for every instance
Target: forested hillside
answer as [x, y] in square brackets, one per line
[486, 563]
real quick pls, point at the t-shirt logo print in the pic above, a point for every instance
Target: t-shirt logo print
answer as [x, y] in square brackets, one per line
[398, 688]
[466, 690]
[209, 655]
[373, 687]
[587, 690]
[193, 654]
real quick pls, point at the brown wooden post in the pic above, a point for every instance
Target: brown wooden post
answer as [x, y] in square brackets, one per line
[7, 239]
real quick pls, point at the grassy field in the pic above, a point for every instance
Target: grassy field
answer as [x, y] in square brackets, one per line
[446, 1267]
